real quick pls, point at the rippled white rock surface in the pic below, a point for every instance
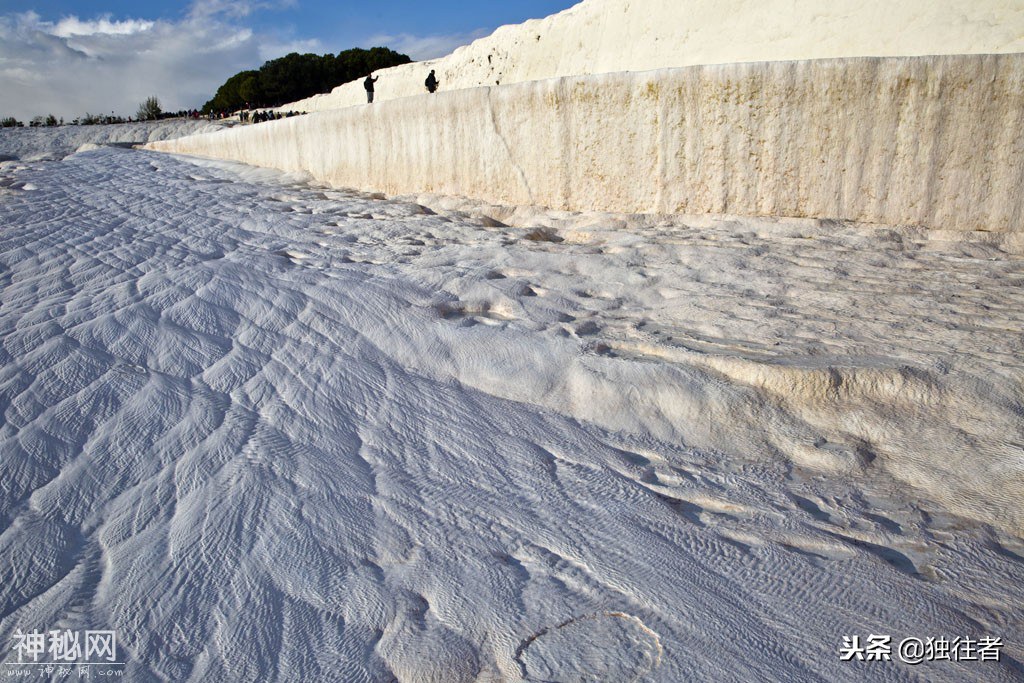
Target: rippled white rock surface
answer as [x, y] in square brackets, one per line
[270, 431]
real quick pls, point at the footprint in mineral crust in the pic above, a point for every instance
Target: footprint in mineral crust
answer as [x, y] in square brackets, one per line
[611, 646]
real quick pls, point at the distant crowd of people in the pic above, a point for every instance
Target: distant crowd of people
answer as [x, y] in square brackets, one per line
[245, 116]
[259, 116]
[195, 115]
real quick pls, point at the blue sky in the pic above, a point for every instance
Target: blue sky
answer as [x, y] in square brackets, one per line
[69, 57]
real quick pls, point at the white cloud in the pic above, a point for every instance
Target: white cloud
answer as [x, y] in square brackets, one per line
[99, 65]
[425, 47]
[73, 26]
[201, 9]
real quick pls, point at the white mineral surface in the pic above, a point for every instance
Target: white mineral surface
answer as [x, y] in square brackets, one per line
[268, 430]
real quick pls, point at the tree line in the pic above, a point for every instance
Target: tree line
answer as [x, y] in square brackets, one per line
[295, 77]
[149, 110]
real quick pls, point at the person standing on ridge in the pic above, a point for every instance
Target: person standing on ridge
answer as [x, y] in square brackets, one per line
[431, 82]
[368, 84]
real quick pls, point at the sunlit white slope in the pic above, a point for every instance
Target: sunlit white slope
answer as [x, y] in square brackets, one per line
[599, 36]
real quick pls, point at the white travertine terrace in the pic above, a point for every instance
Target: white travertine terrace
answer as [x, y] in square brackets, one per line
[604, 36]
[882, 138]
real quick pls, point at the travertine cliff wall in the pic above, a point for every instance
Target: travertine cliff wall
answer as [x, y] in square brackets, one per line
[604, 36]
[932, 141]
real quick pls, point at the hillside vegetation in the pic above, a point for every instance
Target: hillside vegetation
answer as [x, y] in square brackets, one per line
[294, 77]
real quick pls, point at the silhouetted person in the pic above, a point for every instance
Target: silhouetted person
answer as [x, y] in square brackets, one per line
[431, 82]
[368, 84]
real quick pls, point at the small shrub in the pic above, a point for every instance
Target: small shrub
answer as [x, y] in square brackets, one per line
[149, 110]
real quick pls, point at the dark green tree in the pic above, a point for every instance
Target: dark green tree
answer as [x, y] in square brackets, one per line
[230, 96]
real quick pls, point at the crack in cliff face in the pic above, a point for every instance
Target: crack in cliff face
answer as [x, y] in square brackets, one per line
[508, 149]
